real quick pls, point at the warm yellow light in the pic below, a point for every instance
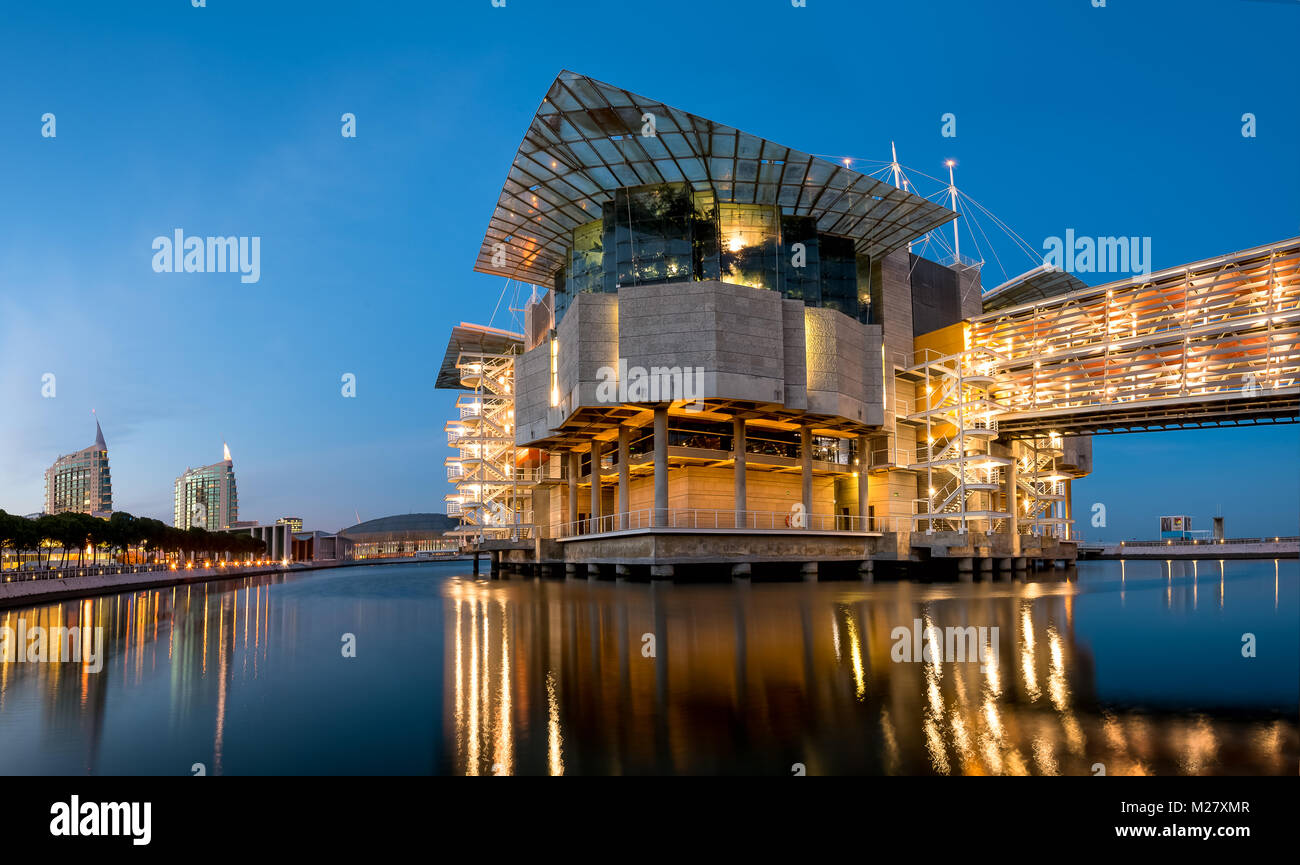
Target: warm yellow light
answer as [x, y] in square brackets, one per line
[735, 244]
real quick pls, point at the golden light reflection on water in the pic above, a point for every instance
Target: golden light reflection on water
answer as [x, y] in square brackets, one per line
[562, 678]
[189, 635]
[803, 674]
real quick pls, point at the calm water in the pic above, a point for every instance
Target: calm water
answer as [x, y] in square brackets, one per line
[1138, 667]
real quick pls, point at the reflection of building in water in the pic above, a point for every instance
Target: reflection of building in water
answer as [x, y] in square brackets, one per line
[204, 635]
[549, 678]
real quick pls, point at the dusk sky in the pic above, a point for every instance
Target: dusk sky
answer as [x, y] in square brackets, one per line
[225, 120]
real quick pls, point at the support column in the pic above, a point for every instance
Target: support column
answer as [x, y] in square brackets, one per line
[595, 484]
[805, 457]
[738, 446]
[1013, 504]
[1069, 510]
[661, 466]
[624, 476]
[864, 506]
[575, 465]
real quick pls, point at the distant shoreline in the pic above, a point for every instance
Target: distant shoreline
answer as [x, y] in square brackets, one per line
[35, 592]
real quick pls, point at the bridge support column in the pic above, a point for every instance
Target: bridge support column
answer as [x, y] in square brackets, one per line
[1069, 510]
[741, 572]
[1009, 493]
[809, 572]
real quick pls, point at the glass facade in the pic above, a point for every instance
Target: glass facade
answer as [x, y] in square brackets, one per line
[206, 498]
[667, 232]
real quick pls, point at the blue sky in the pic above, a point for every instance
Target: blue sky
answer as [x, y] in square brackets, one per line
[225, 120]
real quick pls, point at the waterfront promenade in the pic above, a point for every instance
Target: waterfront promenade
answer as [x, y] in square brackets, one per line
[22, 589]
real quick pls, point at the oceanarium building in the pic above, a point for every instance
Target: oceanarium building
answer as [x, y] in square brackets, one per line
[740, 360]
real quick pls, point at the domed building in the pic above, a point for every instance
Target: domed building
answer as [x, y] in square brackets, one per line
[402, 536]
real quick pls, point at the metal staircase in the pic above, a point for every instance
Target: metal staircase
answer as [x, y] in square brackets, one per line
[493, 495]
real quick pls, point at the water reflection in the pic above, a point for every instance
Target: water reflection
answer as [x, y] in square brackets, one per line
[1124, 668]
[552, 677]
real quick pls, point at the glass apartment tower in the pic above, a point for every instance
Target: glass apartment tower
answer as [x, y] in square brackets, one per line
[80, 483]
[206, 497]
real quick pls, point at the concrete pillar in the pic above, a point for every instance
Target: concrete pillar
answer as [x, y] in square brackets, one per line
[805, 458]
[741, 571]
[661, 466]
[809, 572]
[1069, 511]
[738, 447]
[864, 488]
[661, 572]
[575, 465]
[1009, 492]
[624, 476]
[595, 484]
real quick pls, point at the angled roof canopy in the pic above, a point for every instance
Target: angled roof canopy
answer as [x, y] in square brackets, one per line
[476, 338]
[585, 142]
[1042, 282]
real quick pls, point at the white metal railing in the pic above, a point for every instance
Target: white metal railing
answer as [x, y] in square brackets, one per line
[710, 519]
[1205, 542]
[895, 456]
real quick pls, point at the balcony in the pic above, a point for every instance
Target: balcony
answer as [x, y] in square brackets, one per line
[716, 520]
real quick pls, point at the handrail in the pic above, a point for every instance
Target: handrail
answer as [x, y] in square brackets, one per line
[720, 519]
[1206, 542]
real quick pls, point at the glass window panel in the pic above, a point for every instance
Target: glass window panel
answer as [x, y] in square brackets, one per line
[839, 274]
[801, 279]
[749, 236]
[704, 231]
[652, 237]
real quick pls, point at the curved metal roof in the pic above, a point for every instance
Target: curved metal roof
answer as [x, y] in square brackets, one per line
[585, 141]
[432, 523]
[1040, 283]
